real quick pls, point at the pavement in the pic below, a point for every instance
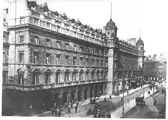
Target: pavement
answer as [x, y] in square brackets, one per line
[110, 105]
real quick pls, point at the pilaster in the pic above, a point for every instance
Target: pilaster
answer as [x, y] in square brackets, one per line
[110, 71]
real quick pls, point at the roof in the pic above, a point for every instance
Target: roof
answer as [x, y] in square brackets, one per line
[110, 24]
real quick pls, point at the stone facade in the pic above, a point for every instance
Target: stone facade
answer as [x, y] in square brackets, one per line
[61, 59]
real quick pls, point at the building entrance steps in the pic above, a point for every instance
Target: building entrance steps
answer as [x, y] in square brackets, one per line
[83, 107]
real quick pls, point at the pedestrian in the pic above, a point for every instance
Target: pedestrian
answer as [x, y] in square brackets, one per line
[105, 115]
[72, 104]
[69, 110]
[76, 107]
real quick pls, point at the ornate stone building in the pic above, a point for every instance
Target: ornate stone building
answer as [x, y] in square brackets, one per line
[55, 58]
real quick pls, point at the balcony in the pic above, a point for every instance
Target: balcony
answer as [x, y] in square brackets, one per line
[60, 28]
[50, 85]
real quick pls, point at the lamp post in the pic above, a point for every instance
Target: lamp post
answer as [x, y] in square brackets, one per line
[123, 97]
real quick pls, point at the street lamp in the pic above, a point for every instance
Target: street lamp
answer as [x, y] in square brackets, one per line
[123, 97]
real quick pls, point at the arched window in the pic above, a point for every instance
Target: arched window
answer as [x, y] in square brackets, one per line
[67, 73]
[35, 76]
[87, 75]
[58, 76]
[74, 75]
[98, 75]
[81, 75]
[47, 73]
[105, 74]
[93, 75]
[20, 76]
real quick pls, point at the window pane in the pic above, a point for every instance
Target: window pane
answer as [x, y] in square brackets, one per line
[21, 39]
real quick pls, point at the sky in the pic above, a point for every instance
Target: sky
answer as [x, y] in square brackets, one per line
[129, 15]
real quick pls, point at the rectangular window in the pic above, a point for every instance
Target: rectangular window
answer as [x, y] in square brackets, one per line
[48, 42]
[21, 56]
[87, 61]
[97, 62]
[102, 63]
[92, 51]
[67, 46]
[36, 39]
[58, 44]
[21, 39]
[81, 61]
[42, 23]
[82, 49]
[35, 21]
[47, 58]
[48, 25]
[67, 59]
[22, 20]
[57, 59]
[74, 60]
[93, 62]
[36, 57]
[74, 47]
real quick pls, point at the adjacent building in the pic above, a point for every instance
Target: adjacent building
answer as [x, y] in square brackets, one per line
[52, 58]
[155, 68]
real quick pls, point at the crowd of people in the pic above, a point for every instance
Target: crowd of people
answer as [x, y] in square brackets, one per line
[57, 111]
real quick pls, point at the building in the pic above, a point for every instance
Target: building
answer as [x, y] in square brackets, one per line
[155, 68]
[53, 58]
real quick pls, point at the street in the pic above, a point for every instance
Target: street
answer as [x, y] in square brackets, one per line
[150, 110]
[108, 106]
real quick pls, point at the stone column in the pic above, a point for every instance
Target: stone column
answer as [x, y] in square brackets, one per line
[110, 72]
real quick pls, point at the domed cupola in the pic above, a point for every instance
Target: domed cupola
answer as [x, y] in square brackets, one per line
[140, 42]
[110, 24]
[111, 29]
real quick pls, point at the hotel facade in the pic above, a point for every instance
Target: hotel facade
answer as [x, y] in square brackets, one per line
[52, 58]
